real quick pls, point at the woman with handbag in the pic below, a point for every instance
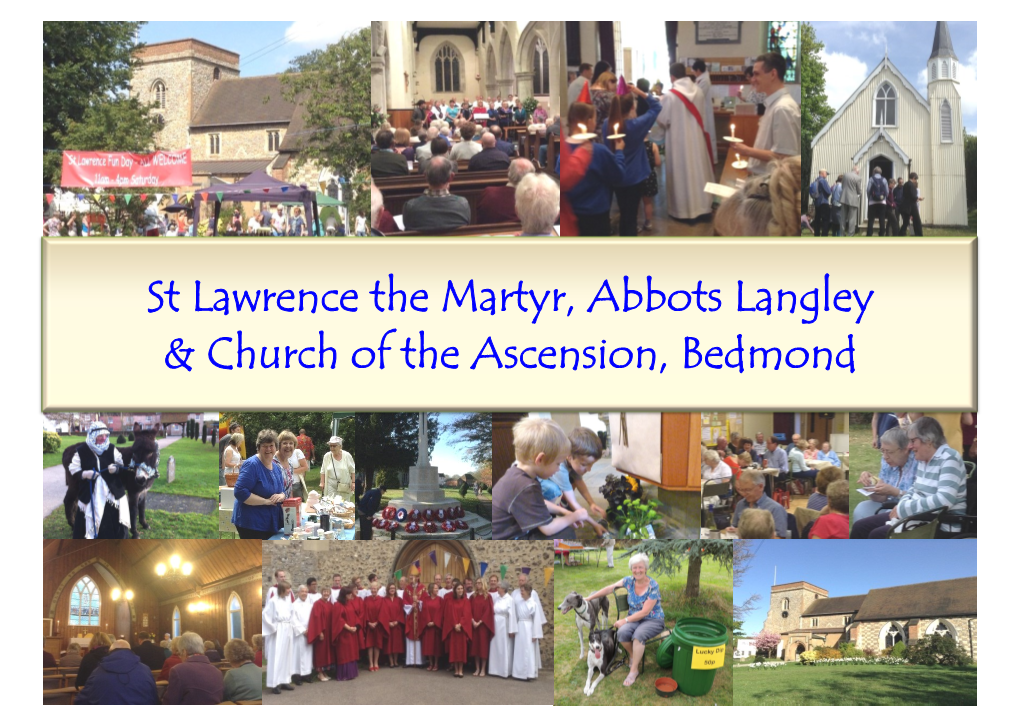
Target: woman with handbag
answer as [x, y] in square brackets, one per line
[337, 475]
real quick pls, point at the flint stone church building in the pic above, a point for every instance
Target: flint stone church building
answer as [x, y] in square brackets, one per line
[234, 126]
[807, 618]
[887, 123]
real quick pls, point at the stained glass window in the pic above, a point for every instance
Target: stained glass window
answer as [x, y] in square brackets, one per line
[234, 617]
[447, 69]
[177, 622]
[85, 601]
[784, 38]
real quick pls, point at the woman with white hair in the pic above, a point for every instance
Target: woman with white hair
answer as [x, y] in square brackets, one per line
[645, 619]
[337, 474]
[713, 468]
[537, 200]
[895, 476]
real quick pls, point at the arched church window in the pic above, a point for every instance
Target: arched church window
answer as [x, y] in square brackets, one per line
[885, 106]
[540, 64]
[891, 635]
[945, 69]
[448, 69]
[786, 604]
[177, 622]
[946, 122]
[941, 628]
[934, 72]
[954, 71]
[159, 94]
[85, 603]
[216, 74]
[235, 628]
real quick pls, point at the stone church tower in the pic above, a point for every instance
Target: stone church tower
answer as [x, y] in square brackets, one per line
[177, 76]
[946, 119]
[788, 602]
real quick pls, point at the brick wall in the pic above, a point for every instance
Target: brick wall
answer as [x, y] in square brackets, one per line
[322, 559]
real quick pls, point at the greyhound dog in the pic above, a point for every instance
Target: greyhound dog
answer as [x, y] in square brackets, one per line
[601, 656]
[586, 613]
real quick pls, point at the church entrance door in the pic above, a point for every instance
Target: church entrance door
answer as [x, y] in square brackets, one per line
[882, 162]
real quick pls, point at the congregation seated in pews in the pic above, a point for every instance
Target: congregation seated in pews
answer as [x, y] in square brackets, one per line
[473, 199]
[181, 671]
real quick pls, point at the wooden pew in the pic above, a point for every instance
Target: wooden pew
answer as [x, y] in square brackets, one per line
[53, 696]
[489, 229]
[397, 191]
[161, 688]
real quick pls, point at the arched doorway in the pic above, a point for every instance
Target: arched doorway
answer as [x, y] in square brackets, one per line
[450, 557]
[798, 651]
[880, 161]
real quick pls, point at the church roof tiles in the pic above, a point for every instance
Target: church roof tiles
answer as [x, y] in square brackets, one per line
[935, 599]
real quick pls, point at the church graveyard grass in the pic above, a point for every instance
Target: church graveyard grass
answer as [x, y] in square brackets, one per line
[714, 603]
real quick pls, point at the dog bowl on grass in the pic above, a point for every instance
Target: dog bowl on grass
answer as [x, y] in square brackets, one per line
[666, 687]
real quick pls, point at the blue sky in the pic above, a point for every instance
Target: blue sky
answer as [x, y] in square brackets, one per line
[448, 458]
[264, 47]
[853, 49]
[848, 568]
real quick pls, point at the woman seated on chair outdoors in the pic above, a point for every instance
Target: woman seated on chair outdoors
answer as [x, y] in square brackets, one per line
[895, 477]
[940, 482]
[645, 619]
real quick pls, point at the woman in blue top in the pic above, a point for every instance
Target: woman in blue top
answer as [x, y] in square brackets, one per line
[259, 492]
[630, 190]
[896, 477]
[645, 620]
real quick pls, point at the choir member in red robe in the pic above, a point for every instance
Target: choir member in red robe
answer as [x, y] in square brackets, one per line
[457, 627]
[358, 605]
[345, 637]
[431, 619]
[375, 634]
[392, 617]
[320, 634]
[484, 627]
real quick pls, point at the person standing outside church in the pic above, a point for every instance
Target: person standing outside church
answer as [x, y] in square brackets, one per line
[878, 191]
[909, 208]
[850, 202]
[820, 193]
[779, 128]
[835, 219]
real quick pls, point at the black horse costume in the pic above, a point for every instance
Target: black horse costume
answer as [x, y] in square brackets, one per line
[103, 477]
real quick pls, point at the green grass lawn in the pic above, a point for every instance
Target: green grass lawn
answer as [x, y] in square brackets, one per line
[197, 469]
[865, 458]
[53, 459]
[161, 525]
[796, 685]
[570, 673]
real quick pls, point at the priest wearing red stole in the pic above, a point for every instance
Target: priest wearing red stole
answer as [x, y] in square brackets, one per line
[431, 619]
[375, 634]
[484, 627]
[457, 627]
[320, 634]
[414, 592]
[391, 615]
[345, 636]
[413, 587]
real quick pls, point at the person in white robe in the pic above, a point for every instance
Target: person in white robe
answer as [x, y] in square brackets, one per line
[334, 590]
[103, 499]
[527, 630]
[303, 650]
[688, 162]
[278, 632]
[501, 648]
[412, 646]
[522, 581]
[279, 577]
[704, 82]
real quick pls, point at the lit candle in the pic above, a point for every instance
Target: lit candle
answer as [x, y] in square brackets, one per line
[733, 131]
[583, 128]
[616, 129]
[738, 157]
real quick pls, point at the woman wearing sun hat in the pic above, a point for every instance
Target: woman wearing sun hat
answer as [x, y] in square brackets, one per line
[337, 475]
[102, 500]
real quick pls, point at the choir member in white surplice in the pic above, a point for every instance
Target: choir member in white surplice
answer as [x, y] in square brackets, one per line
[540, 620]
[688, 159]
[303, 651]
[527, 629]
[501, 648]
[280, 575]
[278, 631]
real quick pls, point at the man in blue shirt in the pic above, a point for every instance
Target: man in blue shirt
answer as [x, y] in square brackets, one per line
[822, 208]
[836, 210]
[775, 457]
[751, 485]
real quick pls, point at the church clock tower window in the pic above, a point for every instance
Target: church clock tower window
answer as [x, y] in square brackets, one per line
[946, 122]
[159, 94]
[885, 106]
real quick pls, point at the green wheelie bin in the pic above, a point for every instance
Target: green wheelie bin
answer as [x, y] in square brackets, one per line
[695, 650]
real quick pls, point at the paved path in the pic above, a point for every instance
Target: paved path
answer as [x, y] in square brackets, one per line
[421, 687]
[54, 488]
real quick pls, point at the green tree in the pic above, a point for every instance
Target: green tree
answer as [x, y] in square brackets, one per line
[473, 430]
[318, 426]
[668, 556]
[743, 554]
[815, 110]
[390, 440]
[83, 63]
[334, 88]
[970, 167]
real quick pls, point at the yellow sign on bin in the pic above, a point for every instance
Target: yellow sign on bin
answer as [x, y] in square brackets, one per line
[708, 657]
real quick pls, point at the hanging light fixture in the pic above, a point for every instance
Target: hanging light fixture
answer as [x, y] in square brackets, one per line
[178, 570]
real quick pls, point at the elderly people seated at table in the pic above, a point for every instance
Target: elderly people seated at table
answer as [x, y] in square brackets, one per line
[751, 487]
[895, 477]
[437, 209]
[498, 204]
[827, 475]
[121, 679]
[756, 523]
[713, 468]
[798, 465]
[537, 200]
[835, 520]
[195, 680]
[775, 457]
[825, 453]
[243, 682]
[645, 619]
[746, 445]
[940, 482]
[811, 452]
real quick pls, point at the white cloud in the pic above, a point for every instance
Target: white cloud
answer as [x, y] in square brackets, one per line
[844, 75]
[316, 33]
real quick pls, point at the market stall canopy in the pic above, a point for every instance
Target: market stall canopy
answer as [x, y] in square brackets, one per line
[258, 186]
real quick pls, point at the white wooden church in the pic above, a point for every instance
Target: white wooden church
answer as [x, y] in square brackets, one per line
[887, 123]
